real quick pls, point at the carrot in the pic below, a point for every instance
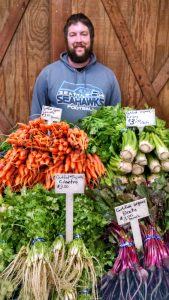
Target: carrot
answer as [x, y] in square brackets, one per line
[10, 173]
[5, 169]
[61, 169]
[88, 175]
[18, 163]
[79, 166]
[21, 170]
[93, 173]
[67, 164]
[72, 165]
[60, 147]
[23, 154]
[18, 179]
[54, 150]
[75, 155]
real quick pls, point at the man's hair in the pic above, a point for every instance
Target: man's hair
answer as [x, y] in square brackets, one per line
[75, 18]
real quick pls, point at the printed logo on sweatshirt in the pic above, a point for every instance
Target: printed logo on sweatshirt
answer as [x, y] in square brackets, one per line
[80, 96]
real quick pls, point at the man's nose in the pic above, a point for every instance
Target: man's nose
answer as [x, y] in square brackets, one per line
[78, 38]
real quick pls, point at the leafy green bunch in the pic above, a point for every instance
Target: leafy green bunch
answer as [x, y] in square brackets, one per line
[38, 213]
[104, 127]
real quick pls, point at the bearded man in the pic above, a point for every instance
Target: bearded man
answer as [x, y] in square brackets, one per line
[77, 83]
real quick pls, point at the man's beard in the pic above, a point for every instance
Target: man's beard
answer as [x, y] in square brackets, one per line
[79, 58]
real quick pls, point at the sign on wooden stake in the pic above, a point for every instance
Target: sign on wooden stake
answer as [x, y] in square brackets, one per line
[69, 184]
[130, 213]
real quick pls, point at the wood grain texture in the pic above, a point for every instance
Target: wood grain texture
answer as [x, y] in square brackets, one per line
[59, 10]
[6, 34]
[27, 55]
[162, 77]
[132, 54]
[39, 40]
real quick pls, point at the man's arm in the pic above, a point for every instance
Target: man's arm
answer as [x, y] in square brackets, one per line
[40, 96]
[116, 93]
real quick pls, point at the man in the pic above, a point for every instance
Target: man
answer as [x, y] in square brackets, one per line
[76, 83]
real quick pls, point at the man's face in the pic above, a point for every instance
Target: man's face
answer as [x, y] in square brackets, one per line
[79, 46]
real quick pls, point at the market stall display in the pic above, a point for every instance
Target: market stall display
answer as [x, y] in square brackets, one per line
[118, 164]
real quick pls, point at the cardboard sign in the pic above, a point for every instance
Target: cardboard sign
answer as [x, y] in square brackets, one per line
[69, 183]
[51, 114]
[130, 213]
[140, 118]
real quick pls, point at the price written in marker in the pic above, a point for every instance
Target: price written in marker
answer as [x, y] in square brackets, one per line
[130, 213]
[140, 118]
[69, 184]
[51, 114]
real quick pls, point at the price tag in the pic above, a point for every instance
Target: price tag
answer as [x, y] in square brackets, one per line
[140, 118]
[69, 184]
[130, 213]
[51, 114]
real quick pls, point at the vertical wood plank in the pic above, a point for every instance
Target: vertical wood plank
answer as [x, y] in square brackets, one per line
[12, 22]
[60, 10]
[27, 55]
[143, 30]
[30, 50]
[128, 45]
[162, 36]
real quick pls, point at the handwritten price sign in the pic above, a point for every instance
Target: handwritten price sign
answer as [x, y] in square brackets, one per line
[130, 213]
[133, 210]
[51, 114]
[140, 118]
[69, 183]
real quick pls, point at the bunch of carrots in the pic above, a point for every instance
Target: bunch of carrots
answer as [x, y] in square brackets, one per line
[39, 151]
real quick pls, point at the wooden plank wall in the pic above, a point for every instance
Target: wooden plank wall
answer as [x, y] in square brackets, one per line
[28, 52]
[31, 49]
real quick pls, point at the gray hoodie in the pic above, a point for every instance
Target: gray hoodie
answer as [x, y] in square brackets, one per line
[76, 93]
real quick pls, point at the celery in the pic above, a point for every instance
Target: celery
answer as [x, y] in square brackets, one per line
[129, 145]
[153, 177]
[146, 143]
[138, 179]
[160, 148]
[153, 163]
[116, 164]
[141, 158]
[165, 165]
[137, 169]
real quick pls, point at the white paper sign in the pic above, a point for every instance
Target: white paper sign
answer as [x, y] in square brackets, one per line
[130, 213]
[133, 210]
[51, 114]
[69, 183]
[140, 118]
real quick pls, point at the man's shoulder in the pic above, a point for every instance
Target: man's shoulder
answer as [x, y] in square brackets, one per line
[104, 68]
[52, 65]
[50, 68]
